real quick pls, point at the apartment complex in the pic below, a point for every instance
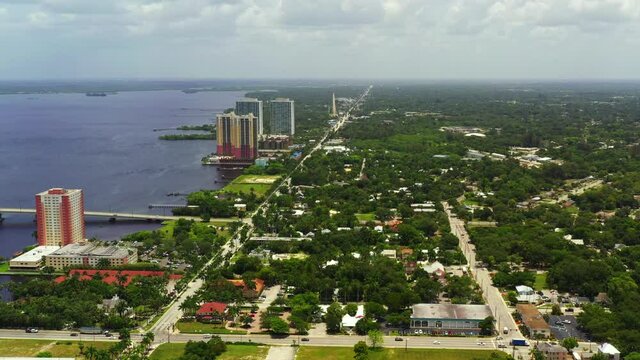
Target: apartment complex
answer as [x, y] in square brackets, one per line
[237, 136]
[282, 117]
[90, 254]
[251, 106]
[60, 217]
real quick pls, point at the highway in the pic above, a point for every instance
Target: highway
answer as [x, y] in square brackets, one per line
[163, 328]
[491, 294]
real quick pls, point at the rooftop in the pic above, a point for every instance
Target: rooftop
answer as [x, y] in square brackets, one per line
[36, 253]
[91, 249]
[450, 311]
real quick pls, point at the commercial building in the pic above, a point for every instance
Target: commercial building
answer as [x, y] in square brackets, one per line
[237, 136]
[533, 320]
[60, 217]
[90, 254]
[251, 106]
[282, 117]
[609, 351]
[32, 259]
[553, 351]
[448, 319]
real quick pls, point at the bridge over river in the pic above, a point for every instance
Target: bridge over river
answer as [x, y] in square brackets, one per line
[117, 215]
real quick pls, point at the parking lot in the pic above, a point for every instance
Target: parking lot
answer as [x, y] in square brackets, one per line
[565, 330]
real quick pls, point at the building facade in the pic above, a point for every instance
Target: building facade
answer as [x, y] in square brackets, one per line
[448, 319]
[282, 117]
[533, 321]
[60, 217]
[32, 259]
[90, 254]
[251, 106]
[237, 136]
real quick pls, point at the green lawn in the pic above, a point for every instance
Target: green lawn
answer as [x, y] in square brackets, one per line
[234, 352]
[244, 183]
[14, 347]
[195, 327]
[344, 353]
[4, 267]
[366, 217]
[541, 282]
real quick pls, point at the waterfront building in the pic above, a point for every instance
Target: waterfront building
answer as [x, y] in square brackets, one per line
[32, 259]
[282, 117]
[90, 254]
[251, 106]
[60, 217]
[237, 136]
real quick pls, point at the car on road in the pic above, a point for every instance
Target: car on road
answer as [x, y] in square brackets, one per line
[206, 336]
[32, 330]
[499, 338]
[436, 342]
[74, 334]
[481, 343]
[398, 338]
[305, 339]
[502, 346]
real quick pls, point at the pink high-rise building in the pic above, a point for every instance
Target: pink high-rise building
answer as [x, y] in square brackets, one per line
[60, 217]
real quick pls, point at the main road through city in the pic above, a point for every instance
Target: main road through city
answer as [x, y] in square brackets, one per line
[164, 326]
[492, 295]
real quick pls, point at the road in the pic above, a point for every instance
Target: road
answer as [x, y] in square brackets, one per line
[326, 340]
[492, 296]
[163, 328]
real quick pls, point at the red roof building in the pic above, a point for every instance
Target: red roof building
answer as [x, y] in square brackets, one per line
[212, 312]
[114, 276]
[246, 291]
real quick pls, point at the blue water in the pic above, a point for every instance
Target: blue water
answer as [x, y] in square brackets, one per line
[106, 146]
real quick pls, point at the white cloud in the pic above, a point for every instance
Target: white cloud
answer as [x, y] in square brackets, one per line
[328, 38]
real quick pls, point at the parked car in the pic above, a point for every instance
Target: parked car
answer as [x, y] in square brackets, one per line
[566, 321]
[398, 338]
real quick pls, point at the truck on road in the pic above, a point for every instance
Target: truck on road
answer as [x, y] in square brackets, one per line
[519, 342]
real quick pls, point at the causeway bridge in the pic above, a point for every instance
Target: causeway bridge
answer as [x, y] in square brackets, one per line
[112, 216]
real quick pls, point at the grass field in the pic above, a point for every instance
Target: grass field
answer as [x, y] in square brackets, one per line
[234, 352]
[4, 267]
[541, 282]
[344, 353]
[31, 348]
[244, 183]
[366, 217]
[195, 327]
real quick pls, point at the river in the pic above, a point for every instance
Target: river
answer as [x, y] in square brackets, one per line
[105, 146]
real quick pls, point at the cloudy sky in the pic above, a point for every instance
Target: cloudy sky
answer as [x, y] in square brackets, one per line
[428, 39]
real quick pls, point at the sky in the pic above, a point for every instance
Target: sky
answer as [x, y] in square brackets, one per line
[332, 39]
